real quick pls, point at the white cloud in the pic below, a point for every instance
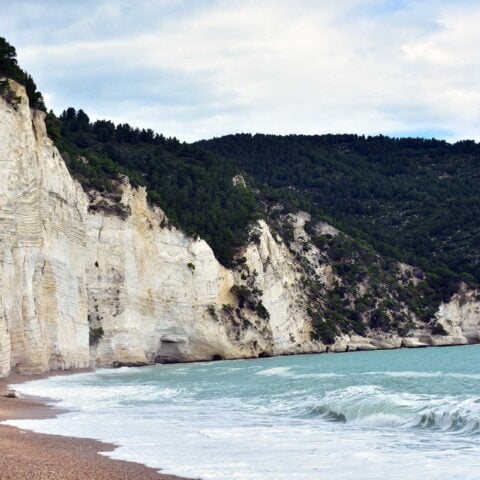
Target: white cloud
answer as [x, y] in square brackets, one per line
[204, 68]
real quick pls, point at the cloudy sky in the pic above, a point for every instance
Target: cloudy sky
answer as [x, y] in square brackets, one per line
[203, 68]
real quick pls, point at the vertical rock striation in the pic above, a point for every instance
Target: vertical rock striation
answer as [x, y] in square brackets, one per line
[43, 305]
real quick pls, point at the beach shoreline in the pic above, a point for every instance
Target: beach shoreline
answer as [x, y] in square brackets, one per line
[28, 455]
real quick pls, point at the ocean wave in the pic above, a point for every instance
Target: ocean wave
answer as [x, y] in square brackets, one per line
[90, 397]
[372, 406]
[289, 373]
[275, 372]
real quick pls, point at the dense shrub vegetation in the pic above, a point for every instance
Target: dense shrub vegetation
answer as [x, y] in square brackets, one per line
[192, 186]
[414, 200]
[374, 291]
[411, 200]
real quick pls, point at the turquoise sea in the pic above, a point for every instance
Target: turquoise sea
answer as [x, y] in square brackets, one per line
[403, 414]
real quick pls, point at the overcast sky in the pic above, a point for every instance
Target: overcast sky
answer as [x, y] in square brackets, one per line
[201, 68]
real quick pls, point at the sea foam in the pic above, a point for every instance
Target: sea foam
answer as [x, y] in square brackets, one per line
[294, 418]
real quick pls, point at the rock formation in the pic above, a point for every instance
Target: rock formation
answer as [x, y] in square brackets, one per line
[87, 280]
[43, 302]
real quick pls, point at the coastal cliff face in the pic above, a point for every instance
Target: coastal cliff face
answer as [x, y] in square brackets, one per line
[156, 294]
[74, 263]
[460, 318]
[160, 296]
[89, 279]
[43, 303]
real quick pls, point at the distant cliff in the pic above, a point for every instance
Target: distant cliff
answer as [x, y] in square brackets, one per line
[90, 278]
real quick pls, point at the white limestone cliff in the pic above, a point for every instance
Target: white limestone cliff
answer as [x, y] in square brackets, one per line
[69, 264]
[460, 318]
[74, 263]
[157, 294]
[43, 302]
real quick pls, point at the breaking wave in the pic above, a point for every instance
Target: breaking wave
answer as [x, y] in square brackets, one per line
[372, 406]
[283, 418]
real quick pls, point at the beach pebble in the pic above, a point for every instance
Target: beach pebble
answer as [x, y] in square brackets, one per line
[11, 394]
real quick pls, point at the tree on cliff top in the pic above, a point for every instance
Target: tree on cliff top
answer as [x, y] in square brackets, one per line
[9, 68]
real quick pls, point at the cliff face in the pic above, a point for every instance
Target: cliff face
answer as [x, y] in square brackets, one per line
[71, 263]
[43, 303]
[158, 295]
[88, 280]
[460, 318]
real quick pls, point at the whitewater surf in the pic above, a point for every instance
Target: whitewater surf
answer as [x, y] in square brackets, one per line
[368, 415]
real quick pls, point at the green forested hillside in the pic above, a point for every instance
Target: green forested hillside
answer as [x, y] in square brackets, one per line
[414, 200]
[192, 186]
[410, 200]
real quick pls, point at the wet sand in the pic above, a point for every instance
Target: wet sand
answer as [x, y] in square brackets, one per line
[25, 455]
